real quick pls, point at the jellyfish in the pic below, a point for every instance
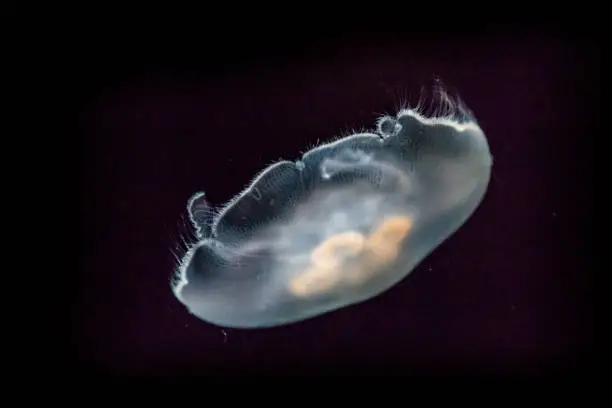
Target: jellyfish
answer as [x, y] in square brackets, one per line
[342, 224]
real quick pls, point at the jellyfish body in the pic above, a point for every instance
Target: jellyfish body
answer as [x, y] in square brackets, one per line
[341, 225]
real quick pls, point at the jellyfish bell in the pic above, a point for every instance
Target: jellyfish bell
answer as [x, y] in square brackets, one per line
[344, 223]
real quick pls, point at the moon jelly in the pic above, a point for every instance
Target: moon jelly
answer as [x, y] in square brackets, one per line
[345, 222]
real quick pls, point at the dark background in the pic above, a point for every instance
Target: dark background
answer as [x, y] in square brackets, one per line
[508, 293]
